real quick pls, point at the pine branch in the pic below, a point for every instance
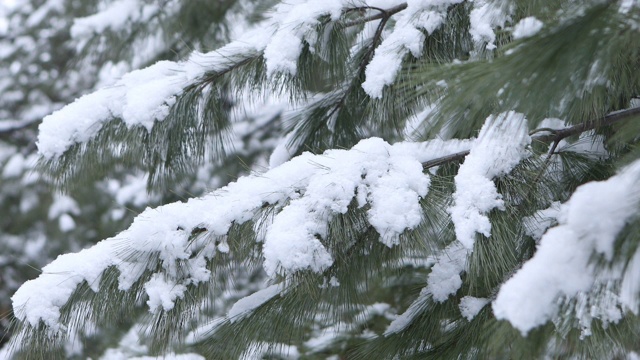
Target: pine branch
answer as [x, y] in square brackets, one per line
[445, 159]
[377, 37]
[382, 14]
[607, 120]
[554, 137]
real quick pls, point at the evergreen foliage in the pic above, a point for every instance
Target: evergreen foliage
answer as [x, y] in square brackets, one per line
[427, 179]
[43, 68]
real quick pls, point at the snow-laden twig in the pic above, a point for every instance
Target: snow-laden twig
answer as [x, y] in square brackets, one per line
[406, 37]
[145, 97]
[551, 135]
[501, 145]
[562, 265]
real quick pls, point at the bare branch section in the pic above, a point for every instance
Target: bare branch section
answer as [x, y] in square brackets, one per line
[553, 136]
[608, 120]
[382, 14]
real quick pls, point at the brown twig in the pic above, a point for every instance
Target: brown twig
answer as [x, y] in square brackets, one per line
[554, 137]
[380, 15]
[445, 159]
[547, 161]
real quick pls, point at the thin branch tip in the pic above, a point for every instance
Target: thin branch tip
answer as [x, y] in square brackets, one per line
[554, 136]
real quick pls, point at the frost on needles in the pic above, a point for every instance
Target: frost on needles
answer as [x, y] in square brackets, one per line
[144, 97]
[588, 223]
[307, 191]
[510, 218]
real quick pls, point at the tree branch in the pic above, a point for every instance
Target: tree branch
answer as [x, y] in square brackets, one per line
[554, 137]
[377, 38]
[382, 14]
[445, 159]
[608, 120]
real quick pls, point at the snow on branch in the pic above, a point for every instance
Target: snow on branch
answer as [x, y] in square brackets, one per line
[309, 190]
[501, 145]
[562, 265]
[298, 21]
[406, 37]
[443, 281]
[140, 98]
[552, 135]
[247, 304]
[485, 17]
[145, 97]
[116, 16]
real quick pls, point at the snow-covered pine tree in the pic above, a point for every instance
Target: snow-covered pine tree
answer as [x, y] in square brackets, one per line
[52, 52]
[454, 179]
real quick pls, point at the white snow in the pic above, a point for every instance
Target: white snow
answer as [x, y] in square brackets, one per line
[536, 225]
[40, 299]
[111, 72]
[131, 190]
[5, 352]
[282, 153]
[62, 208]
[128, 346]
[247, 304]
[589, 143]
[116, 16]
[605, 306]
[43, 11]
[406, 37]
[403, 320]
[630, 286]
[139, 98]
[561, 265]
[415, 123]
[485, 16]
[470, 306]
[142, 97]
[552, 123]
[627, 5]
[113, 18]
[501, 145]
[297, 21]
[444, 279]
[527, 27]
[325, 337]
[309, 190]
[162, 293]
[387, 177]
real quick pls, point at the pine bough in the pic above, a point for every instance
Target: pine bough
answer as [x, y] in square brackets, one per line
[287, 211]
